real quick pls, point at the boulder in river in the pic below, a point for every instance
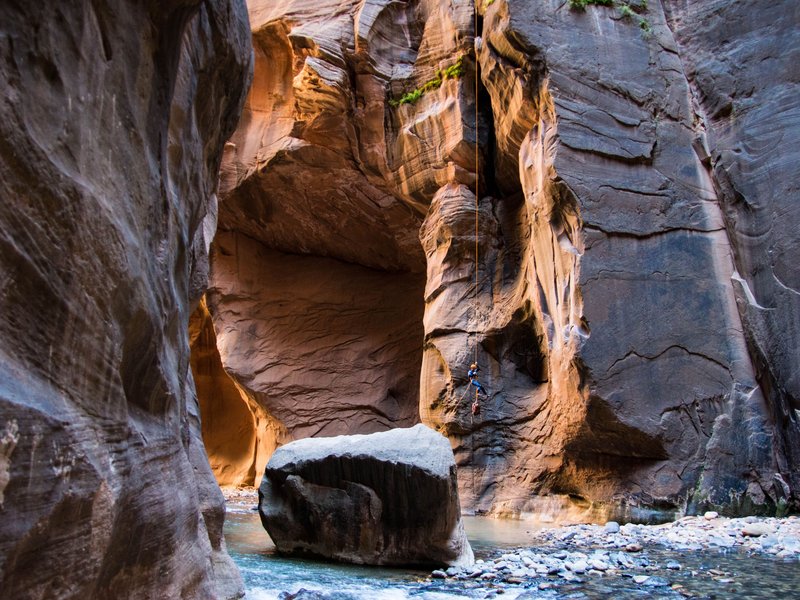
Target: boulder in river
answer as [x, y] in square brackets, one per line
[388, 498]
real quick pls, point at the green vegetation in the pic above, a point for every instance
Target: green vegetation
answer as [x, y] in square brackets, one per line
[454, 71]
[488, 3]
[582, 4]
[626, 10]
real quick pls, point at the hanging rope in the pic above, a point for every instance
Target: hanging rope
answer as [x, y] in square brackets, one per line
[477, 187]
[475, 302]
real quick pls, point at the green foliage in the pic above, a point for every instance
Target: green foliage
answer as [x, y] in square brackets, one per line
[582, 4]
[454, 71]
[626, 10]
[488, 3]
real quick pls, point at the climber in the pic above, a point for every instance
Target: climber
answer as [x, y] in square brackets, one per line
[473, 378]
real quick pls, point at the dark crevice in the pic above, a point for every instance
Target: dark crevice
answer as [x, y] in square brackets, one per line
[664, 351]
[650, 234]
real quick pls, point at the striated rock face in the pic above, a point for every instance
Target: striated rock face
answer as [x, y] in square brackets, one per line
[112, 124]
[389, 498]
[623, 279]
[742, 66]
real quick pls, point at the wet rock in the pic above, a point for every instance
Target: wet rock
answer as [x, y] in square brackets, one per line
[711, 514]
[387, 498]
[439, 574]
[767, 275]
[640, 579]
[304, 594]
[673, 565]
[654, 581]
[633, 547]
[545, 585]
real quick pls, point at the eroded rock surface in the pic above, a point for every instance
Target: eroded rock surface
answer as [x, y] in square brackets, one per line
[621, 279]
[112, 125]
[388, 498]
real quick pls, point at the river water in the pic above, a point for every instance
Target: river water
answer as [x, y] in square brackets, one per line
[707, 574]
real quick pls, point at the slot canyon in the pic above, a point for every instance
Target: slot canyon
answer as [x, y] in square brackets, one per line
[226, 226]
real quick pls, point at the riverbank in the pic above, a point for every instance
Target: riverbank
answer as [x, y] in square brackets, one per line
[650, 556]
[694, 557]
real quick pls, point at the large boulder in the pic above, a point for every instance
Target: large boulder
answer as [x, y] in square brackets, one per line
[388, 498]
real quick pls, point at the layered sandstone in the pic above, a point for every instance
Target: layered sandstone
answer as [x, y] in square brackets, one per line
[618, 278]
[112, 125]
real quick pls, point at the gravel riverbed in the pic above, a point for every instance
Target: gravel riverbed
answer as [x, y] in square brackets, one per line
[648, 555]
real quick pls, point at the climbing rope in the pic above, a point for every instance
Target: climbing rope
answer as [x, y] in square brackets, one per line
[475, 302]
[477, 187]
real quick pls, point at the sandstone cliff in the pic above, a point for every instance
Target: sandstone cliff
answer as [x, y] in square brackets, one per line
[112, 125]
[632, 301]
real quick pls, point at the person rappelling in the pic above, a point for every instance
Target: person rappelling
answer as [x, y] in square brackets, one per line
[473, 378]
[473, 381]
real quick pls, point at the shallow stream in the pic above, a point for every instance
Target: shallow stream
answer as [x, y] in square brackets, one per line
[708, 574]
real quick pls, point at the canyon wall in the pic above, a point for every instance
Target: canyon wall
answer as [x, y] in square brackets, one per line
[112, 124]
[602, 219]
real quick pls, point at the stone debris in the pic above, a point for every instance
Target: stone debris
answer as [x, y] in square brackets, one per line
[575, 553]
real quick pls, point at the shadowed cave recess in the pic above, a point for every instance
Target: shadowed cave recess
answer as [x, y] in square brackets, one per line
[613, 315]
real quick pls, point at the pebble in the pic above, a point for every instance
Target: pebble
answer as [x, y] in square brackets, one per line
[611, 527]
[710, 515]
[634, 547]
[654, 581]
[674, 565]
[640, 578]
[439, 574]
[578, 566]
[599, 565]
[756, 529]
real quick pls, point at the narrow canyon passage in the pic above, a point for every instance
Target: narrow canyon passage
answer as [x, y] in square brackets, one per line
[596, 201]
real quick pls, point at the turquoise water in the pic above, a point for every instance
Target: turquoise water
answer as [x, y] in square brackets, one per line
[268, 575]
